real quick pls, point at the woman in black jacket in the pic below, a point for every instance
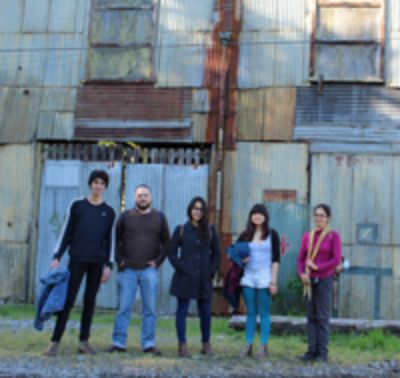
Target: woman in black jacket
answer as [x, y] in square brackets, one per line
[194, 252]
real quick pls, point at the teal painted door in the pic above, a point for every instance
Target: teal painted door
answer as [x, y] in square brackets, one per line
[291, 221]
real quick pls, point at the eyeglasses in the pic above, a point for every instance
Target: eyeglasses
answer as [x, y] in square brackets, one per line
[197, 208]
[317, 215]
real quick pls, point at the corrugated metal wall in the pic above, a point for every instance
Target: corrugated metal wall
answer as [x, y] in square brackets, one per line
[184, 32]
[260, 166]
[42, 50]
[16, 218]
[63, 181]
[393, 43]
[274, 43]
[173, 187]
[363, 193]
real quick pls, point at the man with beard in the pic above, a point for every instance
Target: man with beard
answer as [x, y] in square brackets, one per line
[142, 241]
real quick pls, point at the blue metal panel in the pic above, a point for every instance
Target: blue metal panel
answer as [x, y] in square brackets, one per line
[63, 181]
[11, 15]
[36, 16]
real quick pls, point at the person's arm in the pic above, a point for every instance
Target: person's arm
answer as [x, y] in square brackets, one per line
[119, 230]
[110, 238]
[65, 238]
[173, 250]
[301, 260]
[215, 251]
[336, 254]
[164, 242]
[276, 255]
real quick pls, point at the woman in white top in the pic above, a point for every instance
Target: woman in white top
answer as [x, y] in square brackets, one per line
[260, 277]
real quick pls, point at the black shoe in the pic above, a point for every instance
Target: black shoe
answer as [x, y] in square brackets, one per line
[321, 358]
[114, 348]
[308, 357]
[153, 350]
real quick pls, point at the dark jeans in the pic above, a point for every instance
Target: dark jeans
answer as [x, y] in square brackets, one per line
[318, 314]
[93, 272]
[204, 308]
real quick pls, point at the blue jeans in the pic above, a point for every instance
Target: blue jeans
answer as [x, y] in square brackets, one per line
[128, 282]
[204, 308]
[257, 301]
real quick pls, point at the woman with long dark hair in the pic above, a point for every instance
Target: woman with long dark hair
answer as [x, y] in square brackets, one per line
[194, 253]
[319, 256]
[260, 277]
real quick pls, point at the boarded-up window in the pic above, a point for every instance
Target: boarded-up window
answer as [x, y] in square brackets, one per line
[348, 41]
[121, 40]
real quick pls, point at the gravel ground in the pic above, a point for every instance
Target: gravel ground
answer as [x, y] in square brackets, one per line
[135, 364]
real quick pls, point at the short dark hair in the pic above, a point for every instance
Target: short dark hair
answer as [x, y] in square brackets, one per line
[98, 174]
[326, 209]
[144, 186]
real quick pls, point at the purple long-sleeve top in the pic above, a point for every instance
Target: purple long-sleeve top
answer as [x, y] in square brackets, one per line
[328, 257]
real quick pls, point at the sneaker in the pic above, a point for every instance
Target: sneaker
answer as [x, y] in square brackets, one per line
[183, 350]
[307, 357]
[207, 350]
[321, 358]
[152, 350]
[85, 348]
[114, 348]
[246, 351]
[52, 350]
[262, 352]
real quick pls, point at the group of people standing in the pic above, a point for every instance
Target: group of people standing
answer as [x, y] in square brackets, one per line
[142, 244]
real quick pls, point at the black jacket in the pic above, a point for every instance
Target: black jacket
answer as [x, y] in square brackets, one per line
[196, 263]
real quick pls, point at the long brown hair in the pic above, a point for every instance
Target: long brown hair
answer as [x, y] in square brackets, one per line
[248, 233]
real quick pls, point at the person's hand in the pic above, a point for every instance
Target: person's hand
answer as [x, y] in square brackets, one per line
[273, 288]
[54, 264]
[106, 274]
[245, 260]
[305, 278]
[311, 265]
[152, 264]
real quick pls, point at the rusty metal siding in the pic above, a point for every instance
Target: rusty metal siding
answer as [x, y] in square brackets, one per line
[184, 32]
[274, 43]
[266, 114]
[16, 178]
[348, 113]
[261, 166]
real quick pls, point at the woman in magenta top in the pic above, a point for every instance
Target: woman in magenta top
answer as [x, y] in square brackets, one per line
[319, 256]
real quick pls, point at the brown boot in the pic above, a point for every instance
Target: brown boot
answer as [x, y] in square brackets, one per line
[207, 350]
[85, 348]
[183, 350]
[262, 352]
[52, 350]
[246, 351]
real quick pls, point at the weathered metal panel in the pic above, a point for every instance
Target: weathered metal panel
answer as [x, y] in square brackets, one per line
[118, 63]
[199, 127]
[65, 64]
[184, 30]
[9, 59]
[274, 43]
[19, 108]
[122, 27]
[257, 169]
[180, 59]
[11, 15]
[63, 181]
[170, 198]
[16, 180]
[55, 125]
[266, 114]
[348, 113]
[36, 16]
[392, 57]
[395, 185]
[125, 3]
[188, 16]
[59, 99]
[356, 148]
[348, 62]
[13, 277]
[335, 24]
[63, 15]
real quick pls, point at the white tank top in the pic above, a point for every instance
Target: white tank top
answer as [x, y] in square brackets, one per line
[257, 272]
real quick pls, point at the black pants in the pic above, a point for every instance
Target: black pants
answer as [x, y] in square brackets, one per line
[93, 272]
[318, 315]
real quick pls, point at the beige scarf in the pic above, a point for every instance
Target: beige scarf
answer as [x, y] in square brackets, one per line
[311, 254]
